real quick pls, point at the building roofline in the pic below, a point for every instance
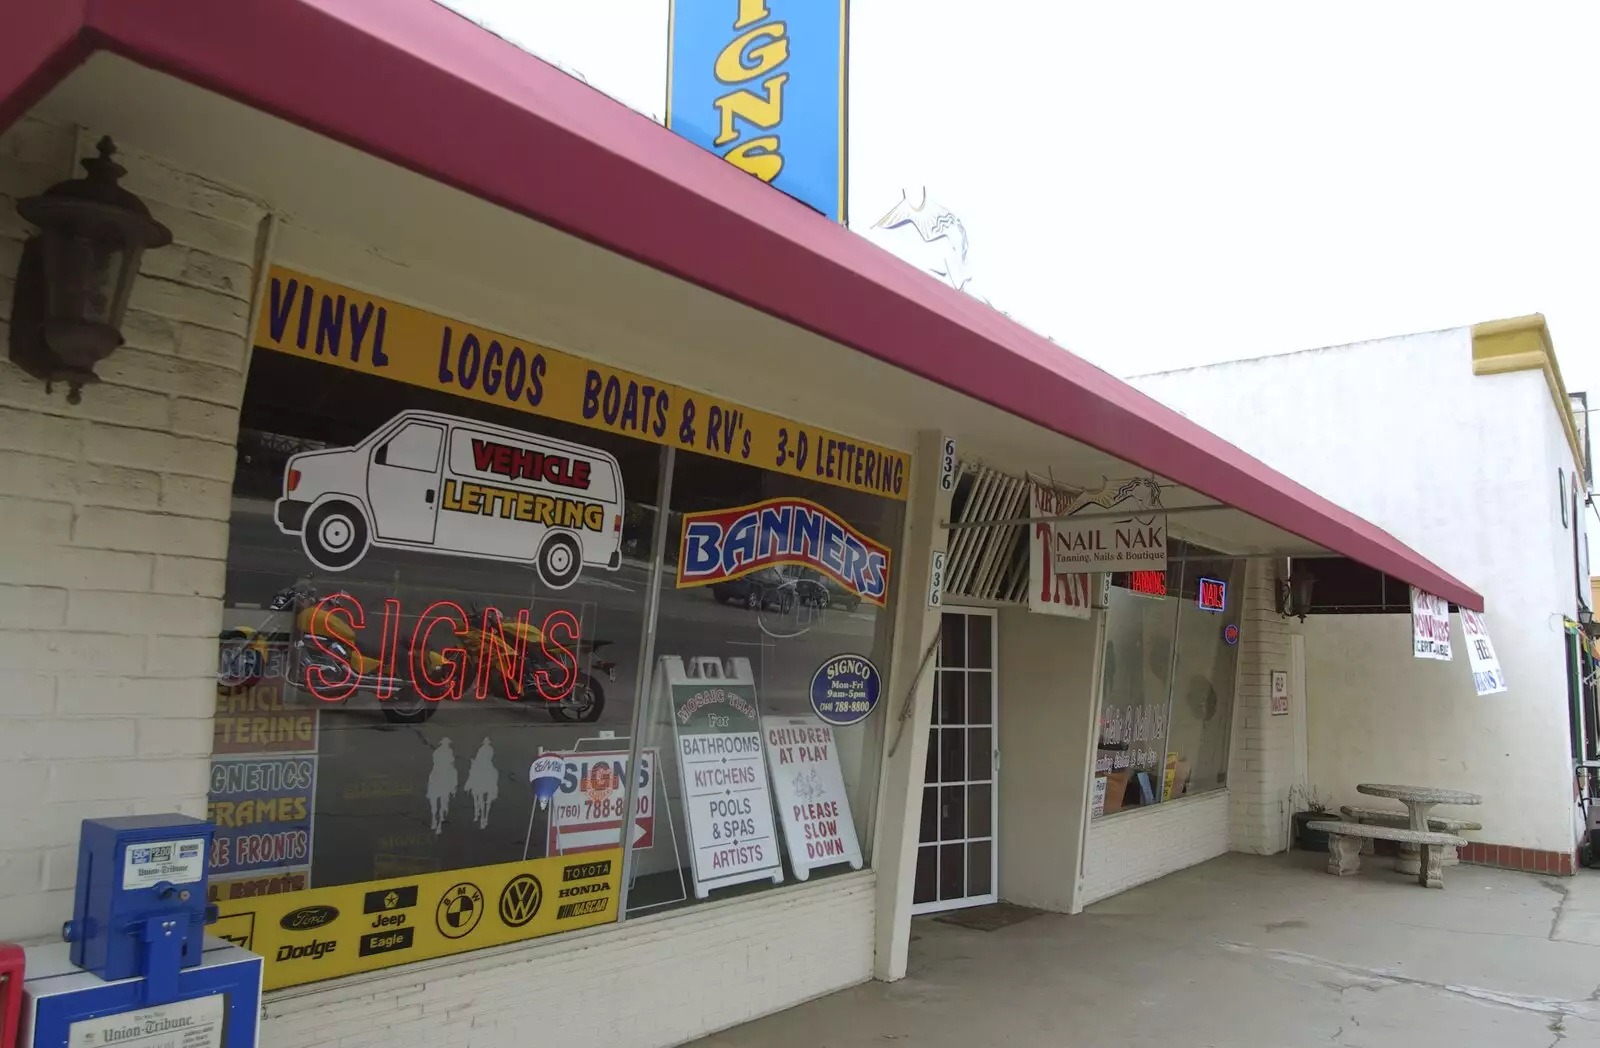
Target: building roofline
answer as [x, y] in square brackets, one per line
[1523, 344]
[413, 83]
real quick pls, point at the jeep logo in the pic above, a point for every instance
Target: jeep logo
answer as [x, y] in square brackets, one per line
[313, 950]
[308, 917]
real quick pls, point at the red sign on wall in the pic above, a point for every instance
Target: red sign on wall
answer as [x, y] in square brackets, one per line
[1153, 583]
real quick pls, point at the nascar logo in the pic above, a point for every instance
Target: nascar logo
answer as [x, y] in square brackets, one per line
[730, 543]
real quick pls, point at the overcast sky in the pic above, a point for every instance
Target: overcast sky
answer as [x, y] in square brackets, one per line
[1158, 185]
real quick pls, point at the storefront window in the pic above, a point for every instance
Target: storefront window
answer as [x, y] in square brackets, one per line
[1201, 717]
[442, 608]
[1168, 682]
[755, 788]
[390, 676]
[1135, 685]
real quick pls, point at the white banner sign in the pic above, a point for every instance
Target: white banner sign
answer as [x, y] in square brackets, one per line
[1487, 676]
[803, 760]
[1430, 626]
[1097, 803]
[1051, 593]
[587, 806]
[722, 763]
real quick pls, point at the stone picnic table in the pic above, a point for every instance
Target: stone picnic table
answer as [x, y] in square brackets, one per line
[1419, 801]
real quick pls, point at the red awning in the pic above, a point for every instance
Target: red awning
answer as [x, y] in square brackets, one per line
[422, 87]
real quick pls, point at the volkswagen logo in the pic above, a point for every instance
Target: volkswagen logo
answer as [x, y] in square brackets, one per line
[520, 899]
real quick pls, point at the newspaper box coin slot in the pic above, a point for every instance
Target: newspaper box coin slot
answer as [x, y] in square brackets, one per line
[140, 906]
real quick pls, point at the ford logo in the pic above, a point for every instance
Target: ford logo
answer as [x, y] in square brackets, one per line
[308, 917]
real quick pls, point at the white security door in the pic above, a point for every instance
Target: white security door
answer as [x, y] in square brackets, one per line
[957, 859]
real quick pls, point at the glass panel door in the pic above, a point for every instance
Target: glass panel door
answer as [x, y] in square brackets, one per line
[956, 854]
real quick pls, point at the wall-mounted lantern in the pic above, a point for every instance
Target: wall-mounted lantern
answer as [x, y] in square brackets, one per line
[77, 271]
[1294, 593]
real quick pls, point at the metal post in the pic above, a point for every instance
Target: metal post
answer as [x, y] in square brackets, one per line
[1064, 518]
[647, 657]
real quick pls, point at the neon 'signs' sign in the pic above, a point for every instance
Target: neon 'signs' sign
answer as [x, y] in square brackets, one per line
[727, 544]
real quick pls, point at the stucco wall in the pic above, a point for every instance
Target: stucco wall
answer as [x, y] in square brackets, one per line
[1048, 670]
[1462, 468]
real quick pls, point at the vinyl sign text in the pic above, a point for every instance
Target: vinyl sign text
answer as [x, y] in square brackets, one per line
[316, 319]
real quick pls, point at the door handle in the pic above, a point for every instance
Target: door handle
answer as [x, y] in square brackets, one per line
[429, 496]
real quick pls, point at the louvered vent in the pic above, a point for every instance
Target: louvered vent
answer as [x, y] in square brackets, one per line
[988, 563]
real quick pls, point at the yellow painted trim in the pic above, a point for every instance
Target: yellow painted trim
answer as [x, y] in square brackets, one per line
[1523, 344]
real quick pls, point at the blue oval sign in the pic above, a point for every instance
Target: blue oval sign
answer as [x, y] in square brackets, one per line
[845, 689]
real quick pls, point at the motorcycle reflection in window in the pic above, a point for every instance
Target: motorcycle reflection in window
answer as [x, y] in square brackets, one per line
[570, 694]
[320, 637]
[317, 638]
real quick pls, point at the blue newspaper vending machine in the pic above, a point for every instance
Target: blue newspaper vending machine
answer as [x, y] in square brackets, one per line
[137, 968]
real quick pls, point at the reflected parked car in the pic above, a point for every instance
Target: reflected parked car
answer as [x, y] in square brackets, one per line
[828, 591]
[778, 588]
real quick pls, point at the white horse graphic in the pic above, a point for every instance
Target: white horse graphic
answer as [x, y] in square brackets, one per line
[442, 783]
[483, 782]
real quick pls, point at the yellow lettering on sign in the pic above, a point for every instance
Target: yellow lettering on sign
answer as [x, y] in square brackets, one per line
[759, 157]
[734, 64]
[489, 501]
[750, 12]
[405, 344]
[747, 105]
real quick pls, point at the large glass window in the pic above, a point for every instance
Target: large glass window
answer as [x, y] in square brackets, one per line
[1167, 682]
[1200, 720]
[755, 788]
[440, 615]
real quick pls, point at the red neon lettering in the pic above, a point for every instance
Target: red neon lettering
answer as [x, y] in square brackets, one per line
[322, 622]
[454, 683]
[554, 691]
[509, 656]
[1150, 582]
[388, 646]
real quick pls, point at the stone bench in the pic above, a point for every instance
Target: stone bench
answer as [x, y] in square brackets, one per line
[1391, 817]
[1344, 847]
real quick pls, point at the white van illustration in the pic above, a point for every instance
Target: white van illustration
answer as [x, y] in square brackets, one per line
[430, 481]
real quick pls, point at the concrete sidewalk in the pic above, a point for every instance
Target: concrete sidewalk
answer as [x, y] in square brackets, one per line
[1244, 951]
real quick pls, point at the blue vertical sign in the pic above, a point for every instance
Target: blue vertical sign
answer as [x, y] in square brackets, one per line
[761, 83]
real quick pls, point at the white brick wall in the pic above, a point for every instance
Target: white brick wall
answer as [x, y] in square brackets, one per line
[1261, 763]
[647, 983]
[1132, 847]
[114, 512]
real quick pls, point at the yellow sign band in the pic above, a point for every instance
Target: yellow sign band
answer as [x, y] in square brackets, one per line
[320, 933]
[317, 319]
